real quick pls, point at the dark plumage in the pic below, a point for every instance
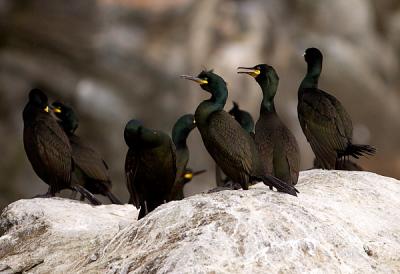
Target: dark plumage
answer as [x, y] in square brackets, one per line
[246, 121]
[277, 145]
[325, 123]
[243, 117]
[150, 166]
[180, 132]
[344, 164]
[232, 148]
[90, 171]
[46, 144]
[47, 147]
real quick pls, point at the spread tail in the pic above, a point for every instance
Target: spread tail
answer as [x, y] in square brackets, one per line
[281, 186]
[357, 151]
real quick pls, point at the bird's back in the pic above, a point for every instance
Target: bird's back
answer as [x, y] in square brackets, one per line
[90, 163]
[48, 149]
[151, 172]
[230, 145]
[325, 123]
[278, 148]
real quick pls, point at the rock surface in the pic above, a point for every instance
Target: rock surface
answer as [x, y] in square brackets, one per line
[342, 221]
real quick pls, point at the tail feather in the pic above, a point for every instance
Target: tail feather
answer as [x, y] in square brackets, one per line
[281, 186]
[112, 198]
[357, 151]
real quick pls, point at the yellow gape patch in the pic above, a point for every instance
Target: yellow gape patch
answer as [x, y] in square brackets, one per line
[46, 109]
[188, 176]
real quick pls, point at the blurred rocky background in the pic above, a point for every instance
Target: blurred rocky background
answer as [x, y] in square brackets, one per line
[115, 60]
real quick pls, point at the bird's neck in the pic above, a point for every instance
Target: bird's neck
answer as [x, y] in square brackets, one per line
[215, 103]
[269, 90]
[179, 138]
[151, 139]
[312, 76]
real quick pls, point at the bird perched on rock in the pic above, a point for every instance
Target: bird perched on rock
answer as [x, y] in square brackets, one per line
[48, 148]
[277, 145]
[325, 123]
[231, 147]
[150, 166]
[246, 121]
[91, 171]
[180, 132]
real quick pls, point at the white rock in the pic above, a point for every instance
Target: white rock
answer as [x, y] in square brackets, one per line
[345, 222]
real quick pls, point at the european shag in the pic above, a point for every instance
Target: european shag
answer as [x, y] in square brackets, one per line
[246, 121]
[232, 148]
[150, 166]
[180, 132]
[91, 171]
[276, 144]
[48, 148]
[325, 123]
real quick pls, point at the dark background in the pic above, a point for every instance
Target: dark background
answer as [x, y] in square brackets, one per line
[117, 60]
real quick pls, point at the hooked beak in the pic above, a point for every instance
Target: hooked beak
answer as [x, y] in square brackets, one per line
[250, 71]
[195, 79]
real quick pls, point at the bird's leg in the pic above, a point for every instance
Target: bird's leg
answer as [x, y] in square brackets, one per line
[89, 196]
[50, 193]
[218, 176]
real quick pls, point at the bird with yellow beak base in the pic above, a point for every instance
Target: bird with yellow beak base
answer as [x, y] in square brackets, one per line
[228, 143]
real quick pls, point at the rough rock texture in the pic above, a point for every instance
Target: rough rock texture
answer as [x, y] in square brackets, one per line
[345, 222]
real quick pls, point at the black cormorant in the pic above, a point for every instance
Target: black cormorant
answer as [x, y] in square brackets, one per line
[277, 145]
[232, 148]
[325, 123]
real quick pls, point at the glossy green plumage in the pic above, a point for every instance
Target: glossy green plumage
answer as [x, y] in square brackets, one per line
[231, 147]
[150, 166]
[277, 145]
[180, 132]
[325, 123]
[90, 171]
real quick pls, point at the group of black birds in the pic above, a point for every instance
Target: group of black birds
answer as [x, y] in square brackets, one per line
[156, 165]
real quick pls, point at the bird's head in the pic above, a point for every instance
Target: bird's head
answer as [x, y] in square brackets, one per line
[264, 75]
[132, 131]
[208, 80]
[312, 56]
[260, 72]
[66, 114]
[39, 99]
[187, 176]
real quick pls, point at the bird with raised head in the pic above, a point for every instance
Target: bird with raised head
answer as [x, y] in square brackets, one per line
[276, 144]
[91, 171]
[48, 148]
[150, 166]
[325, 122]
[180, 132]
[232, 148]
